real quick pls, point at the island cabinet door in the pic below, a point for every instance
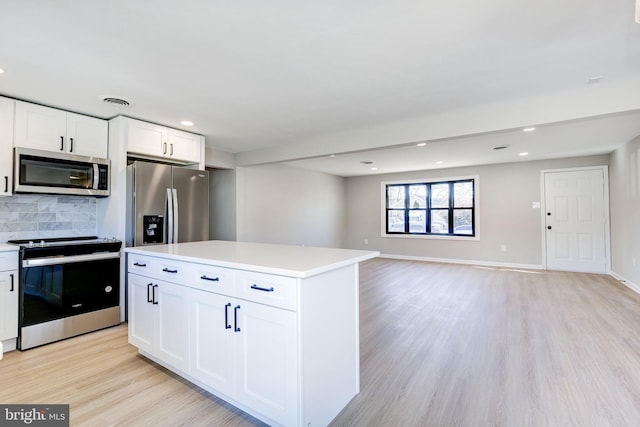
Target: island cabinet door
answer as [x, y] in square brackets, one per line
[212, 357]
[172, 325]
[267, 360]
[141, 312]
[158, 320]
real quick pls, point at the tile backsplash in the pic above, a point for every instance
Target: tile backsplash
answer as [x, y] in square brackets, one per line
[42, 216]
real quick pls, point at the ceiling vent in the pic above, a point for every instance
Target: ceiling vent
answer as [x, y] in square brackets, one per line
[120, 102]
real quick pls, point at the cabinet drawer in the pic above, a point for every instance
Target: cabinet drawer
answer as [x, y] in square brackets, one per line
[211, 279]
[268, 289]
[8, 260]
[157, 268]
[142, 265]
[172, 271]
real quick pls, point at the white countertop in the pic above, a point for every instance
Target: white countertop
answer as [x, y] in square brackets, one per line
[5, 247]
[284, 260]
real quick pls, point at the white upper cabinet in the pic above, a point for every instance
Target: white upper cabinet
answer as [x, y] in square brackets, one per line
[185, 145]
[87, 135]
[50, 129]
[6, 146]
[148, 139]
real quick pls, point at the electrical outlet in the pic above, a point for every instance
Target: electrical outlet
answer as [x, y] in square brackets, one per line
[503, 247]
[366, 241]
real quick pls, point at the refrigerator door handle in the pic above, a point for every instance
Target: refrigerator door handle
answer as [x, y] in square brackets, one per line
[169, 215]
[175, 214]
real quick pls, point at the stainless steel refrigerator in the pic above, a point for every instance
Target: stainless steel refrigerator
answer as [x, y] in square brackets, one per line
[166, 204]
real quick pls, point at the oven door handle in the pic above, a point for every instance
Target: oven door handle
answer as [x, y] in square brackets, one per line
[38, 262]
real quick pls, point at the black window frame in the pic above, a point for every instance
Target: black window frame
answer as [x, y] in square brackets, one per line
[428, 209]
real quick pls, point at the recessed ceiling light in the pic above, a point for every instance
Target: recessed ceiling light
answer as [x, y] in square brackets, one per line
[421, 144]
[2, 71]
[524, 153]
[531, 129]
[439, 162]
[186, 123]
[374, 169]
[593, 80]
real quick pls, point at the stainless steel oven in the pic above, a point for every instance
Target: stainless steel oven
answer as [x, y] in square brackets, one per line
[67, 287]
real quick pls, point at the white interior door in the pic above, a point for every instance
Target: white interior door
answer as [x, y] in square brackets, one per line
[576, 220]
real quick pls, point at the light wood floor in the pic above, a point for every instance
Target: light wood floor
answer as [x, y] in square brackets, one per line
[441, 345]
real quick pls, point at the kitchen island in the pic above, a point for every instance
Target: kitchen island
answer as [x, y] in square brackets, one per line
[272, 329]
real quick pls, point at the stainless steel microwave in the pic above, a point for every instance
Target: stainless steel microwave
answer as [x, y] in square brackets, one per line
[46, 172]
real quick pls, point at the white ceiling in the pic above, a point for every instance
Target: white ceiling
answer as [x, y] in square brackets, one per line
[297, 81]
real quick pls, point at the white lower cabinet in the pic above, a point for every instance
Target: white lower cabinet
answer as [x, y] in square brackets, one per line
[8, 299]
[157, 319]
[284, 349]
[246, 351]
[213, 357]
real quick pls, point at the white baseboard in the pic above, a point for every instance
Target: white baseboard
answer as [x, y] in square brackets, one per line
[627, 283]
[466, 262]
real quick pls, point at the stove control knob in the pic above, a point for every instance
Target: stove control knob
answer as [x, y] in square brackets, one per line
[42, 243]
[30, 243]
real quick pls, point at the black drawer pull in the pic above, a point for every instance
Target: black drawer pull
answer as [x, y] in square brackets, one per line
[6, 184]
[155, 301]
[62, 143]
[235, 317]
[212, 279]
[226, 316]
[139, 264]
[71, 145]
[149, 285]
[169, 270]
[12, 285]
[259, 288]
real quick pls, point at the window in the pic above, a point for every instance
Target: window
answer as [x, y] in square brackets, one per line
[445, 208]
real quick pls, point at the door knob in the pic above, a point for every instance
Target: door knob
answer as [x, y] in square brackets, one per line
[548, 227]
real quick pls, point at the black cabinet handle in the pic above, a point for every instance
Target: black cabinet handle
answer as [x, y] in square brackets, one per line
[12, 285]
[548, 227]
[211, 279]
[71, 145]
[259, 288]
[6, 184]
[235, 317]
[62, 143]
[226, 316]
[139, 264]
[155, 302]
[149, 293]
[169, 270]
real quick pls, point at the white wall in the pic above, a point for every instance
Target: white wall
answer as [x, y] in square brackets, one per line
[624, 179]
[222, 204]
[289, 205]
[506, 216]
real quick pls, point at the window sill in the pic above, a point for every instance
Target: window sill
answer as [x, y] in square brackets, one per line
[475, 238]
